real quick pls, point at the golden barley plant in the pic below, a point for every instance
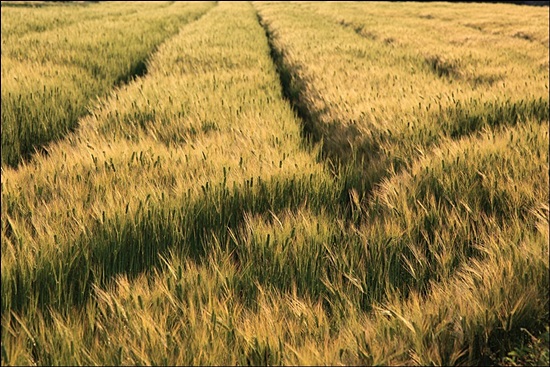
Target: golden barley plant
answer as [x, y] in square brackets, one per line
[288, 183]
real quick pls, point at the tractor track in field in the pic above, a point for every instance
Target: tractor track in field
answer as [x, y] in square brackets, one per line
[138, 69]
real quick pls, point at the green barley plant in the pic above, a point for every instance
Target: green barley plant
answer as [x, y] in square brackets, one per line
[288, 183]
[51, 74]
[381, 103]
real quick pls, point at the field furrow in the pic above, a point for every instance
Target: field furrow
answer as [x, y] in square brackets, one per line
[303, 183]
[384, 102]
[357, 94]
[51, 78]
[169, 166]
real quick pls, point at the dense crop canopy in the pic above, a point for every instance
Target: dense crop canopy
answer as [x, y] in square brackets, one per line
[287, 183]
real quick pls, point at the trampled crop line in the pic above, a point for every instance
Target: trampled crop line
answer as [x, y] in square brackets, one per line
[140, 68]
[188, 212]
[292, 88]
[109, 248]
[462, 111]
[343, 160]
[62, 108]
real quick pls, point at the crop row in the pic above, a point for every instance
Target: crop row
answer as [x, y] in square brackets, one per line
[385, 101]
[434, 182]
[189, 219]
[51, 76]
[163, 168]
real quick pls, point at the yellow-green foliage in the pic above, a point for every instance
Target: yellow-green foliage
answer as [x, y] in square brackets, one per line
[383, 89]
[53, 65]
[188, 220]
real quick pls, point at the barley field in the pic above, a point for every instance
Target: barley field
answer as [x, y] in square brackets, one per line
[282, 183]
